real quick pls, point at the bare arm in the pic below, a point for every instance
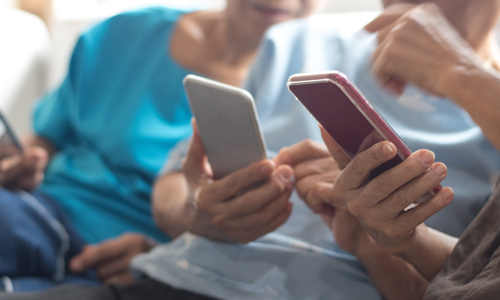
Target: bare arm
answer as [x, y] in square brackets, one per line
[407, 276]
[394, 278]
[399, 252]
[477, 91]
[425, 250]
[428, 251]
[229, 209]
[169, 204]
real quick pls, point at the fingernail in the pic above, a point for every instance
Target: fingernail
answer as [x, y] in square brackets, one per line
[387, 150]
[427, 157]
[285, 174]
[266, 169]
[447, 194]
[440, 170]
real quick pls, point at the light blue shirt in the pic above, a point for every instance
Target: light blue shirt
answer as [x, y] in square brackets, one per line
[115, 117]
[300, 260]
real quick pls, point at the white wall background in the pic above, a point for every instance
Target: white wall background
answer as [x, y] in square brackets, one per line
[352, 5]
[6, 3]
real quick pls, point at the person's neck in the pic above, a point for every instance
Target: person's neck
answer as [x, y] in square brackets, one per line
[236, 43]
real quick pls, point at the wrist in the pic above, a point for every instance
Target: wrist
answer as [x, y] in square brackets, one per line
[370, 253]
[365, 249]
[415, 244]
[197, 221]
[454, 82]
[189, 211]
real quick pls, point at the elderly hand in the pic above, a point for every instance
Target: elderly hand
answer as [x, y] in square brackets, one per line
[240, 207]
[314, 169]
[379, 204]
[111, 259]
[24, 171]
[417, 44]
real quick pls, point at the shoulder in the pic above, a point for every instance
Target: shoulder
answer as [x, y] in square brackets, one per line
[129, 26]
[146, 17]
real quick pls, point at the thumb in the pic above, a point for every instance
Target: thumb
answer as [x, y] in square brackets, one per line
[78, 263]
[37, 157]
[337, 153]
[195, 163]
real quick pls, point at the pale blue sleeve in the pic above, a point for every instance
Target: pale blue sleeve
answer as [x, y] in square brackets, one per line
[175, 159]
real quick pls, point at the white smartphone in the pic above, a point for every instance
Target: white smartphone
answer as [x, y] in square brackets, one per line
[228, 124]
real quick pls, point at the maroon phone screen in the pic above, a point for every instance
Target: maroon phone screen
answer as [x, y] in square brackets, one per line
[341, 119]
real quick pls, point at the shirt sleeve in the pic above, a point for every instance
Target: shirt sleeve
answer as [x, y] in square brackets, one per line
[52, 118]
[174, 161]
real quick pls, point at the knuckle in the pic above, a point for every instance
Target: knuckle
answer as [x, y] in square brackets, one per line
[317, 195]
[276, 186]
[430, 178]
[338, 196]
[315, 191]
[378, 189]
[425, 212]
[231, 181]
[358, 168]
[309, 143]
[355, 208]
[218, 220]
[284, 154]
[415, 167]
[393, 48]
[374, 155]
[303, 193]
[400, 197]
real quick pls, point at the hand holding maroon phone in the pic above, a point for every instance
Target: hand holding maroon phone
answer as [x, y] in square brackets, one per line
[348, 117]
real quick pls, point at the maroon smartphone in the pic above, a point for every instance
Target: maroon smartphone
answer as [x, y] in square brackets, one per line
[348, 117]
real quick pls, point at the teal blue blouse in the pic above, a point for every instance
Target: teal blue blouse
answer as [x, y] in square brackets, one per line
[114, 119]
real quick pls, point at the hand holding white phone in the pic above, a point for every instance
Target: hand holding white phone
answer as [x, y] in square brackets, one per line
[228, 124]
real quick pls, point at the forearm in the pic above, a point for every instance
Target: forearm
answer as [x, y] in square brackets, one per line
[428, 251]
[169, 204]
[37, 141]
[407, 276]
[477, 91]
[394, 278]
